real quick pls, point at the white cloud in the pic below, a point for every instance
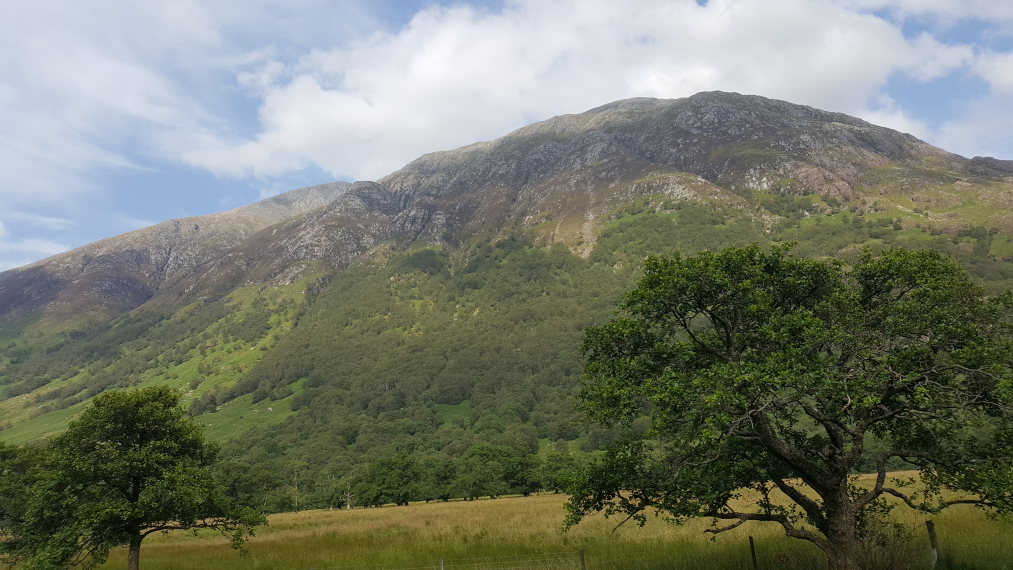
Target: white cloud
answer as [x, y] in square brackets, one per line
[81, 91]
[37, 221]
[269, 91]
[88, 88]
[456, 75]
[986, 126]
[947, 12]
[997, 69]
[929, 59]
[18, 252]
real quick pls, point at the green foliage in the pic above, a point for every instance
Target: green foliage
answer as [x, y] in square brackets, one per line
[690, 228]
[490, 470]
[394, 479]
[428, 352]
[18, 473]
[130, 465]
[760, 370]
[556, 471]
[397, 359]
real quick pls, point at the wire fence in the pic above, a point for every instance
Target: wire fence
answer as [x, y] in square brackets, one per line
[538, 561]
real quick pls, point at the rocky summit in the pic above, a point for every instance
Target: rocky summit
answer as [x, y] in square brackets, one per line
[561, 179]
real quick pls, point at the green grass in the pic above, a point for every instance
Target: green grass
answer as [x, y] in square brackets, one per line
[42, 426]
[420, 534]
[451, 412]
[238, 416]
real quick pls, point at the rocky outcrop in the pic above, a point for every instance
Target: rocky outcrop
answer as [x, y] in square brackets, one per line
[119, 273]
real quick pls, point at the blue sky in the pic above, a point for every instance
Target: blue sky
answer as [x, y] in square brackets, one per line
[119, 114]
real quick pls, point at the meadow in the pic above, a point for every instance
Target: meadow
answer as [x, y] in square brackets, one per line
[510, 532]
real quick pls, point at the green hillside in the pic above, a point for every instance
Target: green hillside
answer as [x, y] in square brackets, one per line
[416, 326]
[431, 351]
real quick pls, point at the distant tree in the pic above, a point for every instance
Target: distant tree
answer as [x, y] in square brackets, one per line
[490, 470]
[131, 464]
[394, 479]
[782, 375]
[556, 470]
[477, 477]
[438, 472]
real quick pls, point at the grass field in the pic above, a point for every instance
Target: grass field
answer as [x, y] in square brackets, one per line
[490, 533]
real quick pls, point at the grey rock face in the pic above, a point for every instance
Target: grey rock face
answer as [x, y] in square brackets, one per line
[563, 176]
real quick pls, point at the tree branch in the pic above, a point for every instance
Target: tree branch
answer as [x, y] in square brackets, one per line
[877, 489]
[810, 506]
[789, 529]
[811, 473]
[903, 497]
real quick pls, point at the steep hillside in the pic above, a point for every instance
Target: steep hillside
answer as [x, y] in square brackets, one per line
[115, 275]
[441, 307]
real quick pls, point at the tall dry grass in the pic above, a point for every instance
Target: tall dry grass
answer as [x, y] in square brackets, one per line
[419, 534]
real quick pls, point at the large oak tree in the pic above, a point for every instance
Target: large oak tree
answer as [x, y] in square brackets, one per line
[788, 376]
[132, 464]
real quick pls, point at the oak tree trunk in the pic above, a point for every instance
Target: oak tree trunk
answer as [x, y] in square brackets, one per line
[844, 548]
[843, 558]
[134, 553]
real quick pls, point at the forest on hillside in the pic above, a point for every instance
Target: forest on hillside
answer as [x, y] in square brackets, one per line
[420, 364]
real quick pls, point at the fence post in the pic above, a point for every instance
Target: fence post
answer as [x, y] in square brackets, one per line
[441, 563]
[752, 552]
[933, 542]
[583, 563]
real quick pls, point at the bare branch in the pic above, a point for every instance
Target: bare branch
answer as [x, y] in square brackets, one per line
[626, 520]
[738, 523]
[877, 490]
[789, 529]
[903, 497]
[833, 426]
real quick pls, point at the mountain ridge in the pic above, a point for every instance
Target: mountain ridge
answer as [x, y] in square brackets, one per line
[139, 262]
[568, 172]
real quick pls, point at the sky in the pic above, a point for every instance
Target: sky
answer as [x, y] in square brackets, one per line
[117, 114]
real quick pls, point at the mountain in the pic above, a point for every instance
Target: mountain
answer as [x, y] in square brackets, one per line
[117, 274]
[441, 307]
[560, 178]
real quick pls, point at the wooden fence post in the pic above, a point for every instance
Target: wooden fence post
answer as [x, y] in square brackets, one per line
[441, 564]
[752, 552]
[933, 542]
[583, 564]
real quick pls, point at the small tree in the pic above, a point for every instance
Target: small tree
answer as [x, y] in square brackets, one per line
[773, 373]
[130, 465]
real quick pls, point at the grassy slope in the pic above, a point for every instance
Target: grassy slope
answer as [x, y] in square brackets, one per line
[198, 362]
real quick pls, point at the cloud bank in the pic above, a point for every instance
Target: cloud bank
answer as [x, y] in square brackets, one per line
[457, 74]
[104, 100]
